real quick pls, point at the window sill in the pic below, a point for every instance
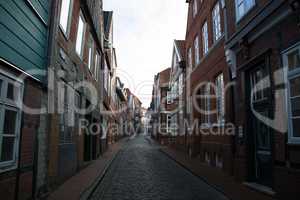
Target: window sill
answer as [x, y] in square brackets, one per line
[293, 142]
[65, 34]
[7, 167]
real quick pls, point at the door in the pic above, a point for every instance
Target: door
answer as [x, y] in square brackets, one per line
[260, 134]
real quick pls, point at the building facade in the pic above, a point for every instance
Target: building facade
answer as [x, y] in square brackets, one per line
[74, 83]
[24, 33]
[208, 86]
[262, 49]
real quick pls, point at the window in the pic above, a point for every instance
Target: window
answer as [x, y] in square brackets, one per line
[260, 83]
[65, 13]
[292, 64]
[196, 47]
[219, 161]
[180, 87]
[190, 62]
[242, 7]
[80, 35]
[105, 76]
[205, 38]
[10, 120]
[195, 7]
[205, 104]
[169, 121]
[207, 157]
[91, 54]
[220, 99]
[216, 22]
[169, 97]
[96, 67]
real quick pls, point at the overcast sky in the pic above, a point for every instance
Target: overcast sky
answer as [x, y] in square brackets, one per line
[144, 31]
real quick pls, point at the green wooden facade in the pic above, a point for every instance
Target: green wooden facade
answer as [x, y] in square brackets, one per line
[24, 34]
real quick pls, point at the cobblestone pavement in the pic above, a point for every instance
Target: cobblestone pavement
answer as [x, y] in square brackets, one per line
[142, 172]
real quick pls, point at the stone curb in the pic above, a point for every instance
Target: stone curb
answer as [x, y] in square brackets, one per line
[87, 193]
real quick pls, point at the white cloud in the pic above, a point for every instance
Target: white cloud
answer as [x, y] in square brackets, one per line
[144, 31]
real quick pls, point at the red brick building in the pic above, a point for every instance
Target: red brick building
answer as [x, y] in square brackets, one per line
[77, 57]
[209, 102]
[263, 51]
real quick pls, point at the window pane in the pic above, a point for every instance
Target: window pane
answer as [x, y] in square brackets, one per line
[7, 149]
[10, 122]
[294, 60]
[295, 104]
[64, 14]
[80, 34]
[296, 127]
[10, 91]
[90, 58]
[295, 87]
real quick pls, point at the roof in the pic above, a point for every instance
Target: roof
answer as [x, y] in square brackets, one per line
[180, 46]
[164, 77]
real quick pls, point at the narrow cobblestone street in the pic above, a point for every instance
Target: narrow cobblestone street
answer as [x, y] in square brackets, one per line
[142, 171]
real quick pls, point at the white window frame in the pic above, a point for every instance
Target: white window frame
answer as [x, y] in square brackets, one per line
[246, 9]
[7, 104]
[66, 27]
[288, 76]
[197, 52]
[216, 18]
[220, 99]
[205, 38]
[195, 8]
[82, 39]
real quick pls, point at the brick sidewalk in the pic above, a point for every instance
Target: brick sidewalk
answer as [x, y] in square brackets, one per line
[215, 177]
[80, 185]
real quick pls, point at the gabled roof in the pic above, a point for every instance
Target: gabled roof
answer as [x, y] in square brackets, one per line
[164, 77]
[180, 48]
